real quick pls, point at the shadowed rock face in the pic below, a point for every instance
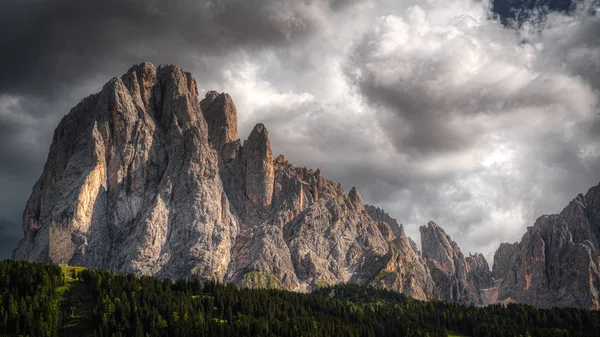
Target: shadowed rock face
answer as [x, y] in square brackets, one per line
[145, 178]
[557, 261]
[221, 116]
[258, 167]
[457, 279]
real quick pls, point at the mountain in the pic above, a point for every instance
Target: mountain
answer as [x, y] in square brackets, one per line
[457, 278]
[557, 262]
[144, 178]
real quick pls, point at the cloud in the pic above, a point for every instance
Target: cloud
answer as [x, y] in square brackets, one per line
[7, 239]
[60, 42]
[497, 119]
[433, 109]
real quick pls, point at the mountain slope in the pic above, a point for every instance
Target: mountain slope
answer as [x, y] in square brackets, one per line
[145, 178]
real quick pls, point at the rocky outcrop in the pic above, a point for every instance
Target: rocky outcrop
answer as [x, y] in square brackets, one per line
[479, 276]
[220, 114]
[145, 178]
[259, 174]
[356, 199]
[557, 261]
[503, 259]
[457, 279]
[380, 215]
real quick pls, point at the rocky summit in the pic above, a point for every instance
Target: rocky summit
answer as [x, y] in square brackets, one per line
[144, 177]
[457, 278]
[557, 262]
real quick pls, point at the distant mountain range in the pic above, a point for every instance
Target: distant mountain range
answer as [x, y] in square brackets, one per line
[145, 178]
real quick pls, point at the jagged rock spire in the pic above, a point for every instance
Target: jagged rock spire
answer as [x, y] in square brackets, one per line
[258, 168]
[437, 245]
[457, 278]
[220, 114]
[356, 199]
[139, 80]
[380, 215]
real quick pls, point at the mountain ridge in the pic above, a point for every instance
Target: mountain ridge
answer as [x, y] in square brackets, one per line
[144, 177]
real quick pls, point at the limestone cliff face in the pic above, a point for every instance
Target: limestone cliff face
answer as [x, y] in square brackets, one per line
[259, 173]
[557, 261]
[221, 115]
[132, 183]
[145, 178]
[457, 278]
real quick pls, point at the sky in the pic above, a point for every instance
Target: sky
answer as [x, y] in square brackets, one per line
[433, 109]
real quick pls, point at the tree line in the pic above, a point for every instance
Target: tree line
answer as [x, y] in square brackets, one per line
[128, 305]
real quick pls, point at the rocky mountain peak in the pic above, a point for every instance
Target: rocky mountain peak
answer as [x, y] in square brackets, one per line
[258, 166]
[438, 246]
[557, 261]
[131, 183]
[145, 178]
[380, 215]
[457, 278]
[356, 199]
[220, 114]
[140, 79]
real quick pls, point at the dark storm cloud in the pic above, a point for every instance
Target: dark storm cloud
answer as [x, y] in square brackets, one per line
[8, 238]
[418, 127]
[48, 43]
[424, 107]
[14, 194]
[54, 53]
[24, 141]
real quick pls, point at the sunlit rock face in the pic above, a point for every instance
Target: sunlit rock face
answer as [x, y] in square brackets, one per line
[557, 261]
[144, 177]
[132, 183]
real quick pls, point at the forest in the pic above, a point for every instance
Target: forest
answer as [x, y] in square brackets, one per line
[38, 299]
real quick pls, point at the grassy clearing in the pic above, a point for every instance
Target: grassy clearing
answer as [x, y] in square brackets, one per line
[76, 305]
[382, 274]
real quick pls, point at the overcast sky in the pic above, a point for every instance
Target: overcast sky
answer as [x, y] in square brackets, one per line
[432, 108]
